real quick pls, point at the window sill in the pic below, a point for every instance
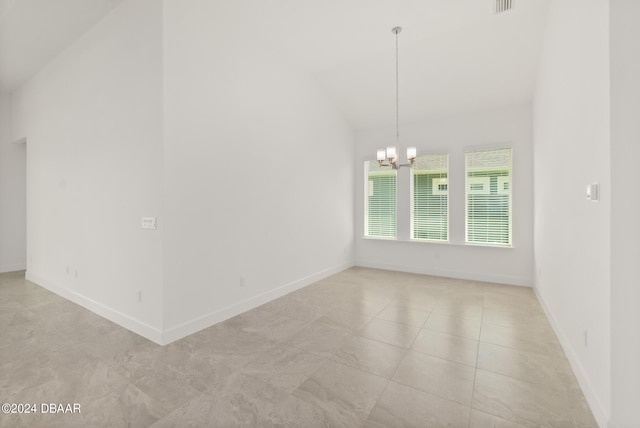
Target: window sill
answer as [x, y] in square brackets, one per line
[379, 238]
[425, 241]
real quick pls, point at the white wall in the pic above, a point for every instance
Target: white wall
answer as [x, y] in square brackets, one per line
[625, 204]
[92, 118]
[454, 135]
[13, 194]
[571, 150]
[258, 171]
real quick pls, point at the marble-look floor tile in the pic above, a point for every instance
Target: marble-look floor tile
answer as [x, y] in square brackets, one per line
[83, 380]
[342, 390]
[118, 346]
[15, 420]
[21, 374]
[346, 320]
[31, 296]
[426, 284]
[389, 332]
[241, 401]
[417, 301]
[526, 340]
[63, 315]
[284, 368]
[26, 341]
[293, 412]
[230, 346]
[319, 339]
[370, 356]
[12, 335]
[515, 317]
[57, 420]
[173, 374]
[165, 384]
[314, 358]
[274, 327]
[530, 366]
[70, 388]
[304, 313]
[404, 315]
[318, 297]
[361, 307]
[245, 402]
[466, 294]
[503, 301]
[456, 326]
[453, 348]
[402, 406]
[196, 367]
[13, 314]
[521, 401]
[490, 288]
[373, 293]
[458, 310]
[9, 277]
[443, 378]
[578, 406]
[131, 407]
[484, 420]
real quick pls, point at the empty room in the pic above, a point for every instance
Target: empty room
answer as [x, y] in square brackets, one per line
[278, 213]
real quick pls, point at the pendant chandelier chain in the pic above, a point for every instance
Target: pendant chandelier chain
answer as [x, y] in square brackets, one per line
[397, 94]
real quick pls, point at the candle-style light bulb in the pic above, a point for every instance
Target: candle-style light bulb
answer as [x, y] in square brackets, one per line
[391, 152]
[411, 153]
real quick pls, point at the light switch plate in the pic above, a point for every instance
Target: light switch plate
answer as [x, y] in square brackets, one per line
[593, 192]
[148, 222]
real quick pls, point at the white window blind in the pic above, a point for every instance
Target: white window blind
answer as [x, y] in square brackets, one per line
[380, 201]
[488, 196]
[430, 197]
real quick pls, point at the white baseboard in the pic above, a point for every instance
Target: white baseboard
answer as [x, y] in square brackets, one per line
[207, 320]
[578, 370]
[500, 279]
[111, 314]
[12, 268]
[165, 337]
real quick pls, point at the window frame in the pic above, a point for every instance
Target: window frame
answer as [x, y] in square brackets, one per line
[367, 194]
[491, 197]
[412, 196]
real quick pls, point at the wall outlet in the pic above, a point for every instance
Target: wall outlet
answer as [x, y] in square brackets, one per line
[586, 338]
[76, 273]
[243, 281]
[68, 270]
[139, 296]
[148, 223]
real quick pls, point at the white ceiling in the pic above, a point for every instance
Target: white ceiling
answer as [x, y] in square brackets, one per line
[455, 55]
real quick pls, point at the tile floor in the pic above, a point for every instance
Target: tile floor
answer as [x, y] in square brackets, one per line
[364, 348]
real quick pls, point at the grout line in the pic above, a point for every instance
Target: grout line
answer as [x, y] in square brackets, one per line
[475, 372]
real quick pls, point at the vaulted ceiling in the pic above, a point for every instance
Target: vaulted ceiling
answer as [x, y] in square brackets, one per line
[455, 56]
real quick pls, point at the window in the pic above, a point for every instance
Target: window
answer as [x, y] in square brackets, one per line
[488, 196]
[380, 201]
[430, 198]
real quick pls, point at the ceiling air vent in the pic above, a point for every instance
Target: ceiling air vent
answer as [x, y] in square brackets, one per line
[503, 5]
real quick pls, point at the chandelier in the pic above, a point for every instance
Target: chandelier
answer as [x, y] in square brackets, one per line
[388, 156]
